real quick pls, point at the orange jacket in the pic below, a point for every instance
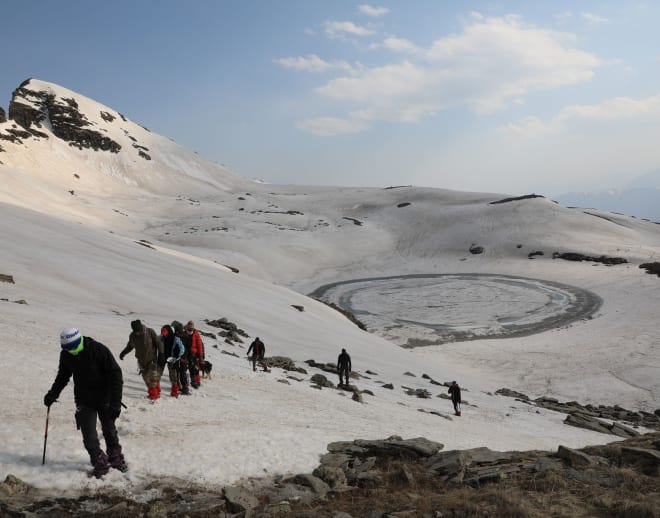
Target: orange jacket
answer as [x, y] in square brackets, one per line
[197, 346]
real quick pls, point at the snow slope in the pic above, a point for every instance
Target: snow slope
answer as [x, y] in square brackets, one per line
[76, 260]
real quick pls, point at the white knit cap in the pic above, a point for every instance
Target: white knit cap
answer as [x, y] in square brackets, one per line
[70, 338]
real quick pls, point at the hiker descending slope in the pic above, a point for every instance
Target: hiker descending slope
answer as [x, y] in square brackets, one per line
[97, 390]
[455, 392]
[343, 366]
[184, 374]
[173, 351]
[258, 350]
[197, 354]
[148, 348]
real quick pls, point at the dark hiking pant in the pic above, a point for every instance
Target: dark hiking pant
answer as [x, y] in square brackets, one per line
[456, 405]
[184, 380]
[256, 359]
[343, 371]
[86, 421]
[194, 372]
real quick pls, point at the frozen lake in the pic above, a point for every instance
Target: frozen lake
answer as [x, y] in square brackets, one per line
[431, 309]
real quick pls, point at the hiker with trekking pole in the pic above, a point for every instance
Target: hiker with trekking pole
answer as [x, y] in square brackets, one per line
[97, 390]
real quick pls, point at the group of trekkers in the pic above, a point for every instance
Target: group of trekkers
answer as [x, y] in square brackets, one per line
[98, 379]
[179, 347]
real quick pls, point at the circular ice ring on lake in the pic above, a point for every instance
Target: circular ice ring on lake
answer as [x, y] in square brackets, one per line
[430, 309]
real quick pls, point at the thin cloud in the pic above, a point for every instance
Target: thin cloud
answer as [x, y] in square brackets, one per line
[333, 126]
[611, 110]
[373, 11]
[335, 29]
[400, 44]
[594, 19]
[492, 62]
[311, 63]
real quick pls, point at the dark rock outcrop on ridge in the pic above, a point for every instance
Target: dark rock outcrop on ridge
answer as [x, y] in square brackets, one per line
[31, 109]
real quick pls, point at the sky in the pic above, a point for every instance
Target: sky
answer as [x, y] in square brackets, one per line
[510, 97]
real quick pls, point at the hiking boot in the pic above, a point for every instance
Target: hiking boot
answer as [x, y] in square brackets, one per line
[101, 465]
[116, 459]
[153, 393]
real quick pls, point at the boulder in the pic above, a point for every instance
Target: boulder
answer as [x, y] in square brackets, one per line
[321, 381]
[575, 458]
[239, 500]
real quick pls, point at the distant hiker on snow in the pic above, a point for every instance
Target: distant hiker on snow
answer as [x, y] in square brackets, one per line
[455, 392]
[197, 354]
[184, 374]
[148, 351]
[173, 351]
[258, 350]
[343, 366]
[97, 390]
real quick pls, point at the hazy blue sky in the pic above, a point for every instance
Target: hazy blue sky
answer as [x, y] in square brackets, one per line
[510, 97]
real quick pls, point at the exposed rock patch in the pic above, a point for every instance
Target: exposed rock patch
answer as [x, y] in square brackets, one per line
[517, 198]
[652, 268]
[590, 416]
[31, 109]
[573, 256]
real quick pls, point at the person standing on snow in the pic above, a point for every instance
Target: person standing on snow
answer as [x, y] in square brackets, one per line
[148, 351]
[258, 350]
[184, 374]
[455, 392]
[343, 366]
[173, 351]
[97, 390]
[197, 353]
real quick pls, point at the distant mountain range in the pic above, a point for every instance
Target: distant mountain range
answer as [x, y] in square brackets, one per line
[639, 198]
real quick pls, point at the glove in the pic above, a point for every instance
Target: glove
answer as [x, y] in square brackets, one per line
[171, 360]
[114, 411]
[49, 399]
[121, 355]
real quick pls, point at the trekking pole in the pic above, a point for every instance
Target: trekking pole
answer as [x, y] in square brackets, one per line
[43, 460]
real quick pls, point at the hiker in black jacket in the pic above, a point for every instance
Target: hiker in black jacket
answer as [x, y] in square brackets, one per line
[343, 366]
[97, 390]
[455, 392]
[258, 350]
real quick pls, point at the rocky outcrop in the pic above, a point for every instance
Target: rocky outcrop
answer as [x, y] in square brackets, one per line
[33, 109]
[3, 115]
[590, 416]
[394, 477]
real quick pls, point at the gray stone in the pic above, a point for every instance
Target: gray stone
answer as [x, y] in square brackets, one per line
[622, 430]
[336, 460]
[239, 500]
[588, 423]
[314, 483]
[331, 475]
[321, 381]
[575, 458]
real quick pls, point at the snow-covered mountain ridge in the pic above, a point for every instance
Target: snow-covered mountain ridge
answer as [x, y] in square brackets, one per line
[75, 221]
